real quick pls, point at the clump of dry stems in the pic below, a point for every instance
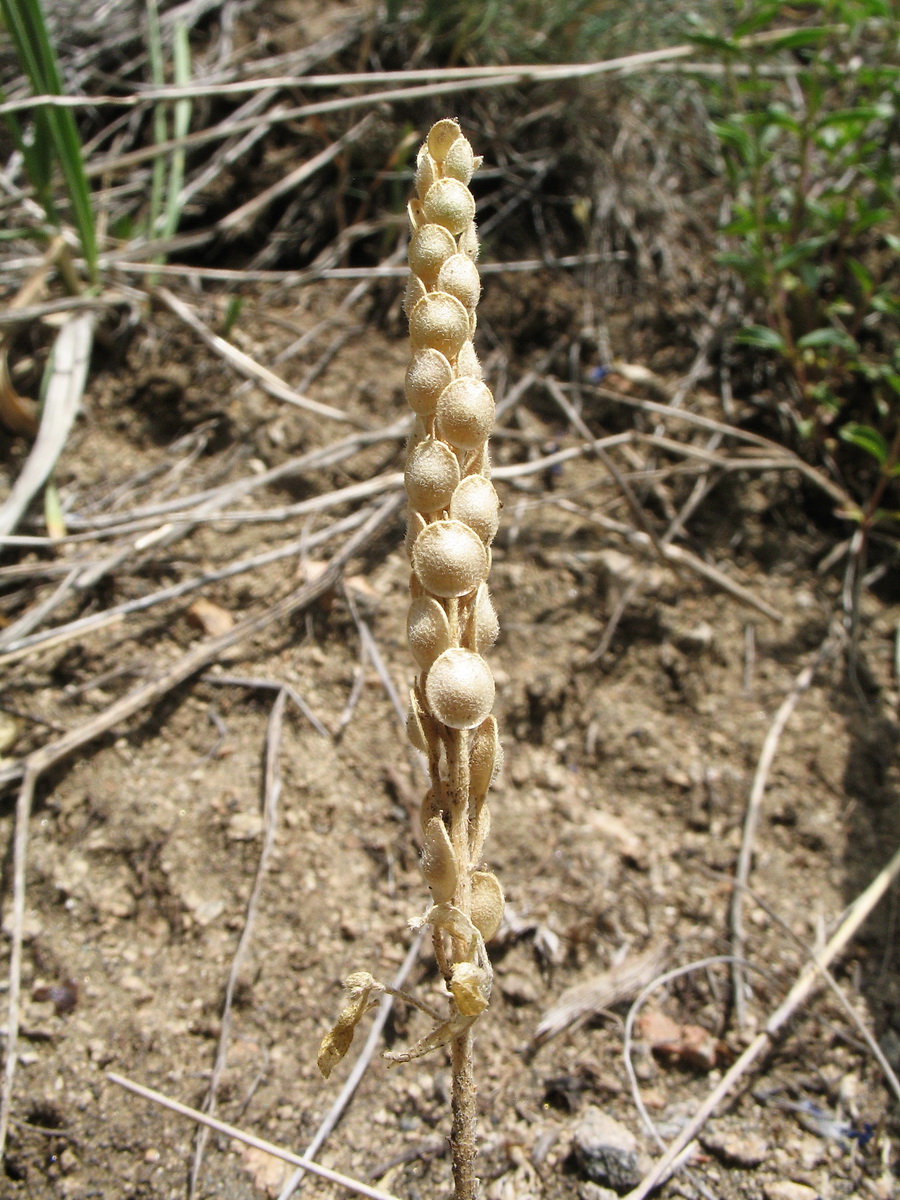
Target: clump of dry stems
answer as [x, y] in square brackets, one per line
[453, 518]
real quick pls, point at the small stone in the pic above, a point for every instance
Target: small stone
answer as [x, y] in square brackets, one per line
[734, 1146]
[591, 1191]
[606, 1151]
[785, 1190]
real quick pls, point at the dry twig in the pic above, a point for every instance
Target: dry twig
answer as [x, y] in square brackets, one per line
[806, 983]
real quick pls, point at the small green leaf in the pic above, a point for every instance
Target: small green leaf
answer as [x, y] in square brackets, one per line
[866, 438]
[886, 304]
[798, 252]
[762, 337]
[800, 38]
[838, 338]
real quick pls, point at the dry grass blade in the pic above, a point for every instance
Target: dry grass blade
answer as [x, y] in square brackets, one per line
[272, 792]
[586, 1000]
[352, 1185]
[247, 366]
[359, 1067]
[35, 764]
[799, 993]
[71, 355]
[802, 684]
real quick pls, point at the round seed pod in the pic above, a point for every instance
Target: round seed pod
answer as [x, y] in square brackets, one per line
[438, 861]
[487, 903]
[441, 137]
[459, 161]
[414, 212]
[468, 242]
[415, 523]
[465, 412]
[459, 689]
[485, 756]
[458, 275]
[427, 630]
[426, 172]
[476, 503]
[440, 321]
[415, 291]
[449, 203]
[432, 474]
[429, 248]
[449, 558]
[467, 362]
[479, 828]
[421, 727]
[427, 375]
[484, 628]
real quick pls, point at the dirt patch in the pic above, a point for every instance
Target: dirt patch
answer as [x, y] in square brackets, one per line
[616, 826]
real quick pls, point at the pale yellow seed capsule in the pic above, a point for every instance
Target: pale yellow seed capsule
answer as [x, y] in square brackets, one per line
[431, 475]
[467, 362]
[475, 502]
[449, 558]
[449, 203]
[441, 137]
[465, 413]
[458, 275]
[434, 804]
[414, 212]
[439, 861]
[415, 291]
[427, 375]
[459, 689]
[425, 171]
[459, 161]
[487, 903]
[415, 523]
[414, 729]
[484, 757]
[484, 628]
[440, 321]
[427, 631]
[429, 248]
[468, 242]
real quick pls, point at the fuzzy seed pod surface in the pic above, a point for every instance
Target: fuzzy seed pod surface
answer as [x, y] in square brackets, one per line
[453, 517]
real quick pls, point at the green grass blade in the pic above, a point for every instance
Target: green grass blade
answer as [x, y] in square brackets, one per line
[181, 57]
[160, 125]
[55, 133]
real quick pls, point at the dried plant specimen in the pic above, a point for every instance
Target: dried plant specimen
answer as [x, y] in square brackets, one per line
[452, 519]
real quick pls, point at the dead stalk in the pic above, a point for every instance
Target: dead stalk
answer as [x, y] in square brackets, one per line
[452, 519]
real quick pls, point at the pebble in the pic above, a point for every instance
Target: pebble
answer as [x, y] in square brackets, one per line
[735, 1147]
[592, 1191]
[606, 1151]
[785, 1190]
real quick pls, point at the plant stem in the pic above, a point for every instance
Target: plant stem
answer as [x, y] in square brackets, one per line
[462, 1134]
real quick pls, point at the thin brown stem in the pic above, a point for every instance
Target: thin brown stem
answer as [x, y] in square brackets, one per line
[462, 1134]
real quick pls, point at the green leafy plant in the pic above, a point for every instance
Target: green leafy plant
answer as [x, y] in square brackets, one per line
[808, 123]
[53, 143]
